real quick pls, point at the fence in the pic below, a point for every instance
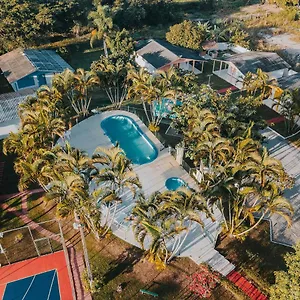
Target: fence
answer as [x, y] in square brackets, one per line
[23, 243]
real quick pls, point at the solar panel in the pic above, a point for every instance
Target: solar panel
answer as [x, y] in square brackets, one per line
[46, 60]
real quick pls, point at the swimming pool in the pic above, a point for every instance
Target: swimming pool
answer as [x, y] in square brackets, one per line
[174, 183]
[124, 130]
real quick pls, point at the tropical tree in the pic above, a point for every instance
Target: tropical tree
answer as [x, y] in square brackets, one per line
[152, 229]
[71, 194]
[289, 106]
[102, 20]
[188, 207]
[70, 160]
[75, 87]
[162, 222]
[257, 84]
[113, 78]
[213, 151]
[148, 90]
[114, 179]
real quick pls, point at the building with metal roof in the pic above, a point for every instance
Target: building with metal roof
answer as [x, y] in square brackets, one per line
[233, 68]
[9, 106]
[31, 68]
[160, 55]
[289, 82]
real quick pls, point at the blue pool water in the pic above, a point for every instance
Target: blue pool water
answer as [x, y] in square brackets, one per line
[124, 130]
[43, 286]
[174, 183]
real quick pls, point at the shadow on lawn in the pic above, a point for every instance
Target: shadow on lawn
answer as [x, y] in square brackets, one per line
[123, 264]
[256, 253]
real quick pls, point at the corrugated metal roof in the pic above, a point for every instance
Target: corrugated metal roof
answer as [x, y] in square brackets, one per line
[9, 104]
[159, 53]
[251, 61]
[20, 63]
[289, 82]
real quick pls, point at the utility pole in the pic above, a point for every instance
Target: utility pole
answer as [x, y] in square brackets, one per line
[80, 226]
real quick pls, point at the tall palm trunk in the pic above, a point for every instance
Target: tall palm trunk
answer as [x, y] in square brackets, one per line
[105, 45]
[84, 247]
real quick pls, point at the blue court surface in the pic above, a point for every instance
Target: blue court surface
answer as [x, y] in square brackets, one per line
[42, 286]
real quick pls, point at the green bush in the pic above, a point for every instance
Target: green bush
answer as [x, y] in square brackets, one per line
[186, 34]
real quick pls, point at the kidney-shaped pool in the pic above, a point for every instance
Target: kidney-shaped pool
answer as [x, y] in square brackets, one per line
[124, 130]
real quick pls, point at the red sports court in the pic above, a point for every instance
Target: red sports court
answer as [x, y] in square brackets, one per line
[43, 278]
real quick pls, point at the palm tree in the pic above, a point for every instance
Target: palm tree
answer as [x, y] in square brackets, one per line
[103, 21]
[142, 89]
[258, 82]
[289, 106]
[83, 82]
[270, 202]
[75, 86]
[215, 151]
[74, 161]
[186, 206]
[37, 167]
[117, 176]
[152, 224]
[265, 169]
[113, 79]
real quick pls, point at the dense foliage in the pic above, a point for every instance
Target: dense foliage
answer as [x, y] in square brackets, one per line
[186, 34]
[287, 283]
[25, 22]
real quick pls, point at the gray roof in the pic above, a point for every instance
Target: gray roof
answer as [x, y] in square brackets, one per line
[252, 60]
[9, 104]
[20, 63]
[160, 53]
[289, 82]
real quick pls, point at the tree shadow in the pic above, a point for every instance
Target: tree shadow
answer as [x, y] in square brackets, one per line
[123, 264]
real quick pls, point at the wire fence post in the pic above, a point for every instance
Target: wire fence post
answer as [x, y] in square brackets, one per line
[36, 248]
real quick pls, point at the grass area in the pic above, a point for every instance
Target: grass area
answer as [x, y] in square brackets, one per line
[256, 256]
[117, 262]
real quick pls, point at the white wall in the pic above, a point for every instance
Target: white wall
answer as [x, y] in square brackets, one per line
[144, 64]
[188, 67]
[232, 75]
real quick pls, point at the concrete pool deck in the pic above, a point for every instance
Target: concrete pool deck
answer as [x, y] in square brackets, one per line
[200, 243]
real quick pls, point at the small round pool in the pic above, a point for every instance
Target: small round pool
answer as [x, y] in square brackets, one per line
[173, 183]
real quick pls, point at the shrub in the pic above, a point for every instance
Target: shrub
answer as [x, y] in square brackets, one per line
[186, 34]
[203, 281]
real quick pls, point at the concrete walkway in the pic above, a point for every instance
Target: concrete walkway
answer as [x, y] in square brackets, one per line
[289, 155]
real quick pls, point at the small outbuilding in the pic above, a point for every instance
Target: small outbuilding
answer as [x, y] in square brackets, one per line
[31, 68]
[157, 55]
[233, 68]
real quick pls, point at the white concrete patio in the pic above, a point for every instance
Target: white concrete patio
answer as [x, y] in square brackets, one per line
[289, 155]
[200, 243]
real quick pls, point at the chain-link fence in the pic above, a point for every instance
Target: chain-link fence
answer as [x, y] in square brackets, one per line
[24, 242]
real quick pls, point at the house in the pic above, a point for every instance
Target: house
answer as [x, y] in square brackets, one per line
[233, 68]
[160, 55]
[9, 104]
[31, 68]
